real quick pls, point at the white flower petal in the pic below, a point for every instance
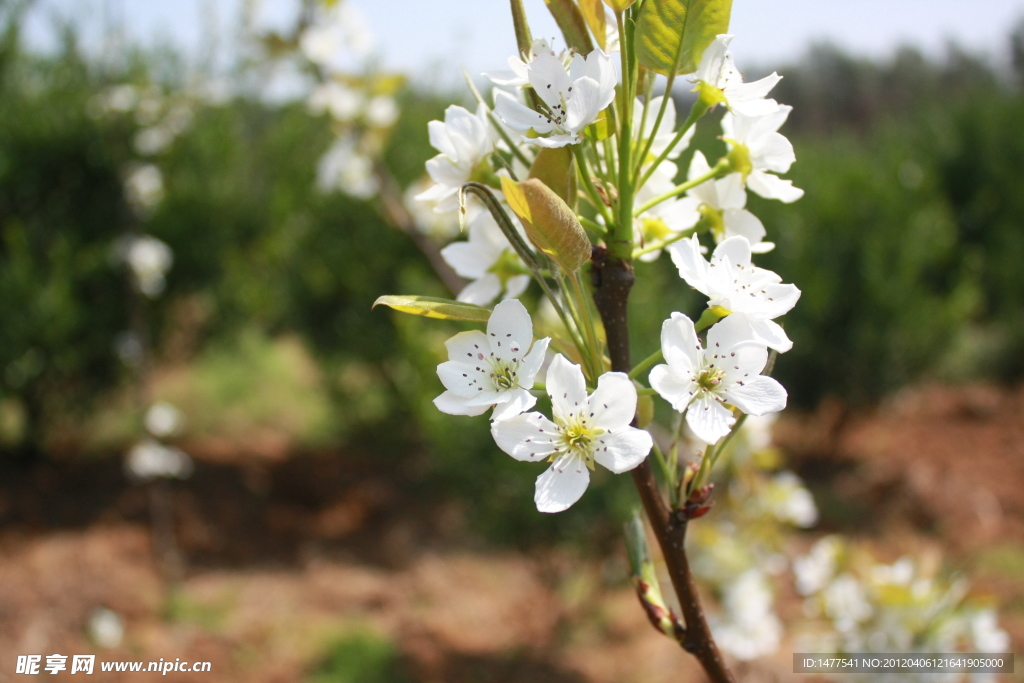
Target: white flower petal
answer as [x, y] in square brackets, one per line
[675, 387]
[561, 485]
[729, 332]
[510, 330]
[613, 404]
[736, 249]
[531, 364]
[713, 60]
[771, 334]
[709, 420]
[515, 286]
[691, 264]
[773, 187]
[566, 387]
[742, 223]
[465, 380]
[467, 347]
[528, 437]
[481, 292]
[439, 139]
[549, 80]
[517, 401]
[453, 404]
[469, 259]
[758, 396]
[584, 106]
[624, 450]
[679, 343]
[518, 116]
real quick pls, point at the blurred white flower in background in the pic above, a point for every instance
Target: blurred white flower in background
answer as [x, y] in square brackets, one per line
[814, 570]
[749, 627]
[337, 35]
[150, 460]
[144, 188]
[105, 628]
[347, 169]
[790, 502]
[149, 259]
[163, 420]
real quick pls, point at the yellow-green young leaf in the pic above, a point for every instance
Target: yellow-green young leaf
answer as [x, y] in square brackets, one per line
[593, 12]
[672, 35]
[431, 307]
[572, 25]
[550, 224]
[601, 128]
[556, 168]
[619, 5]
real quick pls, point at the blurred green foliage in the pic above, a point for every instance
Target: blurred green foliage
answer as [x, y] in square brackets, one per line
[907, 247]
[360, 657]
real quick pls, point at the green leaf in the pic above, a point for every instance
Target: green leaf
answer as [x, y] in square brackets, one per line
[593, 12]
[431, 307]
[672, 34]
[572, 25]
[556, 168]
[619, 5]
[549, 222]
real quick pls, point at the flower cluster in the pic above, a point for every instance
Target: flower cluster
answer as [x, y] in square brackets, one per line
[556, 101]
[861, 605]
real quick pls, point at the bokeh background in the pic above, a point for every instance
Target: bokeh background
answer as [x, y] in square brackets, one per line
[322, 521]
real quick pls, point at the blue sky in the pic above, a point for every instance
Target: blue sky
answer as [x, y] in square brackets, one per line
[433, 38]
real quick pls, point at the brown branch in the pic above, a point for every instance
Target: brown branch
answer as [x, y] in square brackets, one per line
[613, 279]
[399, 216]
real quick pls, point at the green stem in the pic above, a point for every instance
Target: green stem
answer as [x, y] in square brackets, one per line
[664, 243]
[593, 226]
[588, 184]
[645, 363]
[666, 98]
[662, 465]
[595, 353]
[495, 123]
[698, 110]
[719, 170]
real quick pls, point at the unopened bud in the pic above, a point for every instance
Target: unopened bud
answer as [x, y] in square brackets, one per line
[550, 224]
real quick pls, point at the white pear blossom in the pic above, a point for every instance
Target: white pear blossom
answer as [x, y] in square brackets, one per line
[489, 261]
[144, 188]
[344, 167]
[493, 369]
[750, 627]
[464, 143]
[702, 381]
[572, 100]
[757, 146]
[846, 602]
[336, 35]
[586, 429]
[337, 99]
[731, 282]
[150, 459]
[517, 76]
[722, 202]
[148, 259]
[789, 501]
[815, 570]
[986, 634]
[666, 132]
[718, 71]
[105, 628]
[163, 420]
